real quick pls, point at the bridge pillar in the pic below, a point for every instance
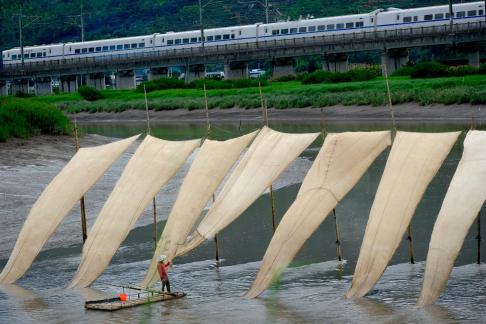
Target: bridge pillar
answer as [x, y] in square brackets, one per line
[69, 83]
[473, 58]
[96, 80]
[194, 72]
[125, 79]
[21, 85]
[3, 88]
[157, 73]
[393, 60]
[236, 70]
[337, 63]
[43, 86]
[282, 67]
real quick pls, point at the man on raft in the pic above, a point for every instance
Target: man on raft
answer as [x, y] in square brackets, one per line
[163, 267]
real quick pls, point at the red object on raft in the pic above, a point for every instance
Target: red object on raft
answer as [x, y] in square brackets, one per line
[123, 297]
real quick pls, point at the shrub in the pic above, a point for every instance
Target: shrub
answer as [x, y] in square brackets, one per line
[21, 94]
[227, 84]
[89, 93]
[431, 69]
[286, 78]
[24, 118]
[162, 84]
[462, 70]
[360, 74]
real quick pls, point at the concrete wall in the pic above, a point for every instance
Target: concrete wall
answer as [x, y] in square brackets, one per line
[19, 86]
[68, 83]
[336, 62]
[3, 88]
[157, 73]
[394, 59]
[96, 80]
[194, 72]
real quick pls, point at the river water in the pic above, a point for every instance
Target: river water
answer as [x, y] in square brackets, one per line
[310, 290]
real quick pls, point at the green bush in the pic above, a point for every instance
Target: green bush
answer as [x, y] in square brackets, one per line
[24, 118]
[227, 84]
[162, 84]
[333, 77]
[90, 94]
[431, 69]
[21, 94]
[286, 78]
[462, 70]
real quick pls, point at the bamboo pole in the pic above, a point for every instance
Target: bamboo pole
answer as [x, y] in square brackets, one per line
[82, 206]
[338, 240]
[479, 239]
[394, 130]
[265, 122]
[154, 202]
[208, 134]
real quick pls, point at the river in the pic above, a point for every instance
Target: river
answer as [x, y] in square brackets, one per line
[310, 290]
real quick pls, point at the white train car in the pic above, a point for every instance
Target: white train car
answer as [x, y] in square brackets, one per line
[378, 20]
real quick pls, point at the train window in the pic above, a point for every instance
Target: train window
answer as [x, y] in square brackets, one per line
[105, 48]
[77, 51]
[428, 17]
[232, 36]
[84, 50]
[407, 19]
[217, 37]
[472, 13]
[323, 27]
[266, 31]
[32, 55]
[415, 18]
[185, 41]
[39, 54]
[439, 16]
[302, 29]
[293, 30]
[460, 14]
[126, 46]
[178, 41]
[329, 27]
[119, 47]
[50, 51]
[448, 15]
[227, 36]
[70, 49]
[91, 50]
[239, 31]
[339, 26]
[481, 12]
[170, 42]
[398, 17]
[134, 45]
[284, 31]
[349, 25]
[26, 56]
[275, 32]
[142, 45]
[312, 28]
[44, 54]
[359, 24]
[194, 40]
[151, 41]
[98, 49]
[210, 38]
[372, 19]
[14, 57]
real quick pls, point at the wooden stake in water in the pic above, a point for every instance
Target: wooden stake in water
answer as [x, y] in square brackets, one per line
[479, 239]
[208, 134]
[265, 123]
[81, 201]
[338, 240]
[154, 202]
[410, 244]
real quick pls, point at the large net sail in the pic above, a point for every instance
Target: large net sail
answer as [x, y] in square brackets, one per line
[269, 155]
[55, 202]
[461, 205]
[212, 163]
[414, 160]
[152, 165]
[341, 162]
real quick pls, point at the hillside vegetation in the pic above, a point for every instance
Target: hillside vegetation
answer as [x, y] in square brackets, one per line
[118, 18]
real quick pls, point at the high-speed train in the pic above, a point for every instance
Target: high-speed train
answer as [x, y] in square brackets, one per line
[381, 19]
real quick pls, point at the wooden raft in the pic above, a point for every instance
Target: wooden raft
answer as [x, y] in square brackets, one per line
[113, 304]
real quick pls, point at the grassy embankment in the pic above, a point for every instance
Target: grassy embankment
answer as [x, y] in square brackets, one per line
[24, 118]
[293, 94]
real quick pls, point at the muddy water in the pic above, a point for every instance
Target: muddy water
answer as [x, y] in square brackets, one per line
[309, 291]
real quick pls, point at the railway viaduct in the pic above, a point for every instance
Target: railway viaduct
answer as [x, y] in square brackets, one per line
[334, 50]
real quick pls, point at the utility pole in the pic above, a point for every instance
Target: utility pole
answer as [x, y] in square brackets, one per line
[451, 14]
[201, 24]
[22, 25]
[266, 11]
[21, 43]
[82, 21]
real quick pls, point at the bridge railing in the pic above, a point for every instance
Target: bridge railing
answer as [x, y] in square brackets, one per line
[185, 54]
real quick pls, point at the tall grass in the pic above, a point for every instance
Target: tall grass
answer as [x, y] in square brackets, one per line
[24, 118]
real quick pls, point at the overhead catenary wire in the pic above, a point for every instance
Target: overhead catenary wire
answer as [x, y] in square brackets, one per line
[154, 202]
